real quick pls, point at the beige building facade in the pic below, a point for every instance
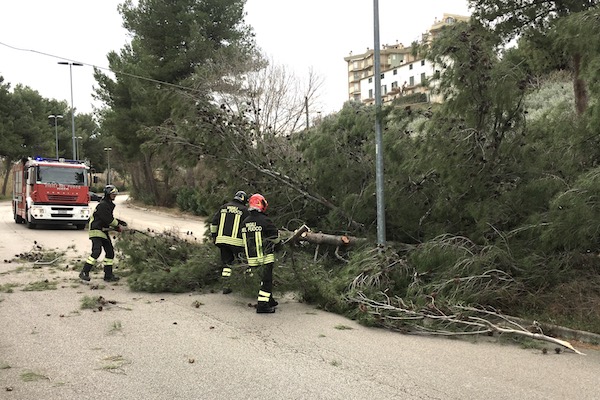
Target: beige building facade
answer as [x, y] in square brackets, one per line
[402, 73]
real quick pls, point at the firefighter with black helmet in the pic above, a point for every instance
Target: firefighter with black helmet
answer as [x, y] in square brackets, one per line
[101, 222]
[225, 229]
[261, 239]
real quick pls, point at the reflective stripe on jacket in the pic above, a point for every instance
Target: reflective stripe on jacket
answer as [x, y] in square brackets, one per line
[226, 224]
[102, 219]
[260, 236]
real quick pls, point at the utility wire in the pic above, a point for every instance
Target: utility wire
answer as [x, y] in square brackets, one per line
[98, 67]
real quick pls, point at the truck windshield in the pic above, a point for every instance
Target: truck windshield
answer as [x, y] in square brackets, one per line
[61, 175]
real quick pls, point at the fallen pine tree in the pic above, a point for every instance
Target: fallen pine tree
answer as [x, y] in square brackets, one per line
[449, 319]
[396, 314]
[394, 289]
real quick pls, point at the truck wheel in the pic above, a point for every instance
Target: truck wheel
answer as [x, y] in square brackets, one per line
[18, 218]
[30, 224]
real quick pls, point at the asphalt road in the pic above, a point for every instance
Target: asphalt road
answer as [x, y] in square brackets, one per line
[161, 346]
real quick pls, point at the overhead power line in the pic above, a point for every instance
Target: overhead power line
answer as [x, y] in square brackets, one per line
[174, 85]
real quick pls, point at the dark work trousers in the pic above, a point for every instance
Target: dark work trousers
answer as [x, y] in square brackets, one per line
[100, 243]
[229, 255]
[266, 284]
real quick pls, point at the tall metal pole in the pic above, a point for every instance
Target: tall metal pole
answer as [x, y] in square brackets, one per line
[78, 154]
[108, 149]
[56, 117]
[306, 107]
[70, 64]
[378, 133]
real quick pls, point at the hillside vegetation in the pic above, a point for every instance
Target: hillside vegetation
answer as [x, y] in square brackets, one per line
[491, 197]
[513, 230]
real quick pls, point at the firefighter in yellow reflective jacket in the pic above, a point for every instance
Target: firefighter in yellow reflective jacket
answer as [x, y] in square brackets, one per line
[261, 239]
[101, 223]
[225, 229]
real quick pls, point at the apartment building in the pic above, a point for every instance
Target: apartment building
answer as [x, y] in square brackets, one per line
[402, 73]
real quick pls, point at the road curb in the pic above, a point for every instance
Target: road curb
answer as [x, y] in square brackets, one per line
[571, 334]
[563, 332]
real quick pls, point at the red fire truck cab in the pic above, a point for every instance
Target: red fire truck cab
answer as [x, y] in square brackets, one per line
[51, 191]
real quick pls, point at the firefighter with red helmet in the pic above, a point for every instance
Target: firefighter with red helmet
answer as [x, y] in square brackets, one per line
[261, 238]
[225, 229]
[101, 222]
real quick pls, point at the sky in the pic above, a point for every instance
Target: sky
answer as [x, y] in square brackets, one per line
[299, 35]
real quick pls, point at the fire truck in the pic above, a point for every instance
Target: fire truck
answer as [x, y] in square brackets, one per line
[51, 191]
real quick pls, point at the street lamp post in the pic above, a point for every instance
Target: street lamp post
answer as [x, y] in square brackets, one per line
[56, 117]
[379, 182]
[108, 150]
[70, 64]
[78, 154]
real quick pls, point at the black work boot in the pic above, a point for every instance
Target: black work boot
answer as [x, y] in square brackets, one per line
[273, 302]
[108, 274]
[264, 308]
[225, 276]
[85, 272]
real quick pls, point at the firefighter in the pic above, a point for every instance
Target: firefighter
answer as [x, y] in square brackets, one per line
[226, 234]
[101, 223]
[261, 239]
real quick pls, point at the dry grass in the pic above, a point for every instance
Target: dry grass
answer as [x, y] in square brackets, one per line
[575, 304]
[30, 376]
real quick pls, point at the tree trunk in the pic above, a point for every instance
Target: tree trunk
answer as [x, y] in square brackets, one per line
[150, 182]
[323, 238]
[581, 95]
[8, 164]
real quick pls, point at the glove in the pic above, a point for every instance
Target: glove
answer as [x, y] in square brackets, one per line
[214, 238]
[121, 222]
[118, 228]
[278, 246]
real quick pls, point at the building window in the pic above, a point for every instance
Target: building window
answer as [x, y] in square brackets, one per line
[384, 89]
[382, 76]
[355, 65]
[450, 20]
[396, 58]
[410, 66]
[423, 78]
[422, 63]
[394, 85]
[370, 80]
[370, 93]
[356, 76]
[357, 97]
[395, 72]
[411, 81]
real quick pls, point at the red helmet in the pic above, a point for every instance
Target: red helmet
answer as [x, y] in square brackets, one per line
[258, 202]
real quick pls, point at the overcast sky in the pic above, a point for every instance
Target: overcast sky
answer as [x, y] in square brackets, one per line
[299, 35]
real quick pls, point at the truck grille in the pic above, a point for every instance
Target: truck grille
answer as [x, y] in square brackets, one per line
[60, 212]
[62, 198]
